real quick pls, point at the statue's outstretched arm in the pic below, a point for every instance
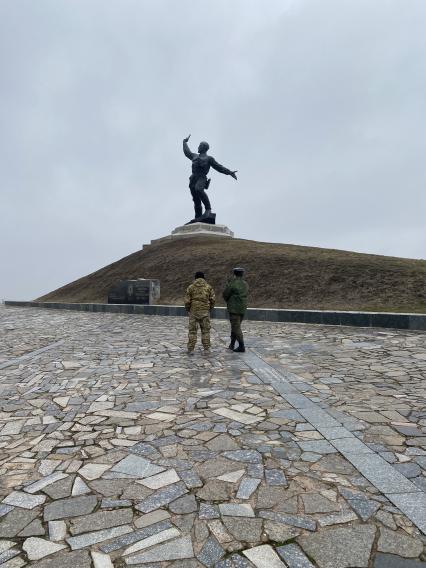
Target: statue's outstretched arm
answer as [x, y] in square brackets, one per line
[219, 168]
[190, 155]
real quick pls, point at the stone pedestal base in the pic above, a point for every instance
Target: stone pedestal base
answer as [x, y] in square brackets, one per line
[196, 230]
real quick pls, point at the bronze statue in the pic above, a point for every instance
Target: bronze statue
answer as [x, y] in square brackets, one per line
[198, 182]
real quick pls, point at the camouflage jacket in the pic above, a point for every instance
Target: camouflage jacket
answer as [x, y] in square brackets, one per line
[199, 297]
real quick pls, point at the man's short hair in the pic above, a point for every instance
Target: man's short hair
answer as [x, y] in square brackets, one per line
[238, 271]
[199, 274]
[205, 145]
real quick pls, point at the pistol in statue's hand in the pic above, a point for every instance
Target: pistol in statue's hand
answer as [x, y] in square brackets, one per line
[187, 138]
[233, 174]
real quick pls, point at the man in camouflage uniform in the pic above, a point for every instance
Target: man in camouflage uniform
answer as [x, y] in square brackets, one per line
[199, 300]
[235, 296]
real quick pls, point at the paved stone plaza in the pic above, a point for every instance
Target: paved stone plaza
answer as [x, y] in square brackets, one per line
[117, 449]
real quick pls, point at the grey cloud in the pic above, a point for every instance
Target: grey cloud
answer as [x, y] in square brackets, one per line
[319, 105]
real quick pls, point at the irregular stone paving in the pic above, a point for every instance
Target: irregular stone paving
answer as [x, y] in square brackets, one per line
[117, 449]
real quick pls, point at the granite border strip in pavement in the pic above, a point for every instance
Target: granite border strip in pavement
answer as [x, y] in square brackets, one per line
[409, 498]
[30, 355]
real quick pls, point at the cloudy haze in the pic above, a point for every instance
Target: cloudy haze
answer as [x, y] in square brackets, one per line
[320, 105]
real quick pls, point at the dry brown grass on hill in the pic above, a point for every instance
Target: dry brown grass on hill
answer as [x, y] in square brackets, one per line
[279, 275]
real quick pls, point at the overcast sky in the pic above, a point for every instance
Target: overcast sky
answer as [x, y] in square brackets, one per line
[320, 105]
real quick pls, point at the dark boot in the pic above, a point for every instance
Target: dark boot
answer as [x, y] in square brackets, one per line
[231, 346]
[241, 348]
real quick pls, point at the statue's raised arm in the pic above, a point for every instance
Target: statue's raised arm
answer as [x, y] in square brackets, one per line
[190, 155]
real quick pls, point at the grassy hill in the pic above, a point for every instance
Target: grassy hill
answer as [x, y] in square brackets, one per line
[279, 275]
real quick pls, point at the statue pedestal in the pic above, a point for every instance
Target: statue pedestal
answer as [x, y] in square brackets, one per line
[196, 230]
[202, 229]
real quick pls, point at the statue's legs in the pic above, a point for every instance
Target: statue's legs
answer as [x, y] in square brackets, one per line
[197, 202]
[199, 196]
[205, 200]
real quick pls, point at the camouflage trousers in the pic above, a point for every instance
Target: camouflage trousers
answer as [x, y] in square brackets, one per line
[236, 332]
[202, 320]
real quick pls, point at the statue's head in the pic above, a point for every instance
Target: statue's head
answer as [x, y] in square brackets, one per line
[203, 147]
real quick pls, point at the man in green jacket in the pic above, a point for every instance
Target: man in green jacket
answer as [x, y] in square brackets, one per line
[235, 296]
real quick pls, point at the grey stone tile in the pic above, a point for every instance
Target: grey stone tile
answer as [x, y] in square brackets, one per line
[8, 555]
[264, 556]
[5, 509]
[381, 474]
[293, 520]
[35, 528]
[413, 505]
[44, 482]
[57, 530]
[78, 559]
[410, 470]
[334, 433]
[211, 552]
[184, 505]
[317, 503]
[245, 456]
[71, 507]
[339, 518]
[338, 547]
[153, 540]
[364, 507]
[132, 537]
[244, 529]
[24, 500]
[162, 497]
[299, 401]
[101, 520]
[392, 561]
[87, 539]
[351, 445]
[15, 521]
[318, 417]
[294, 557]
[115, 503]
[144, 450]
[208, 511]
[37, 548]
[275, 477]
[151, 518]
[101, 560]
[234, 561]
[190, 478]
[60, 489]
[248, 486]
[236, 510]
[137, 467]
[161, 479]
[401, 544]
[174, 550]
